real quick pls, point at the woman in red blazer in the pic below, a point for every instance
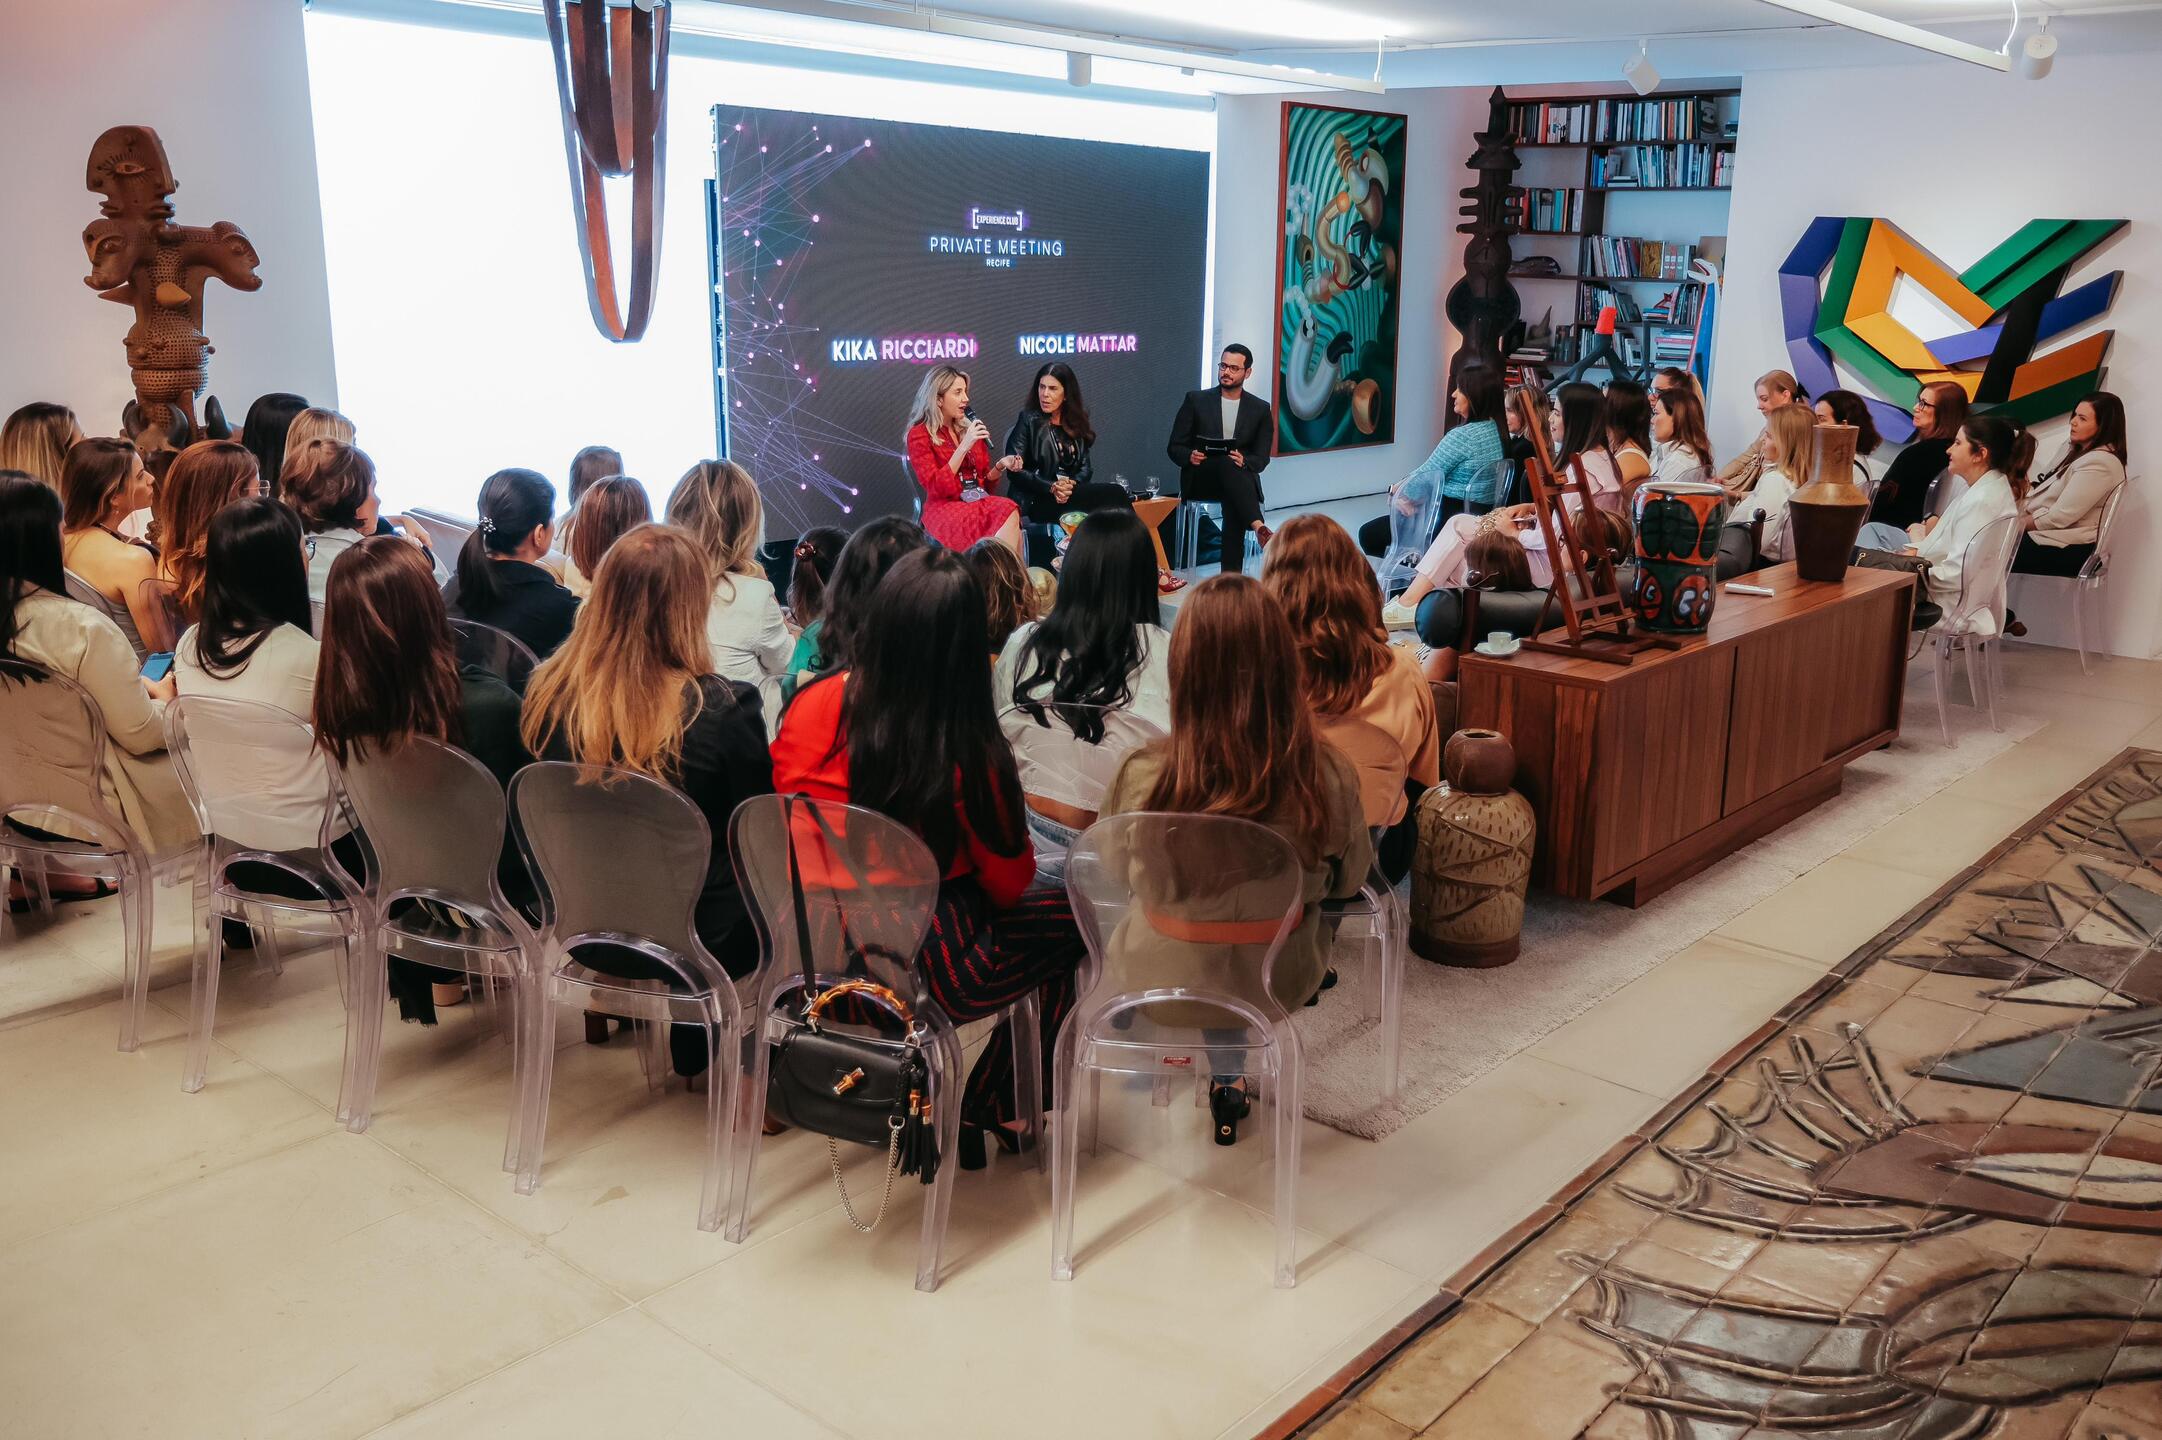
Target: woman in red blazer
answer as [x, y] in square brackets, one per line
[949, 451]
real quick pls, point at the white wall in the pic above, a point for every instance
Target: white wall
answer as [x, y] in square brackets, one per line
[2005, 151]
[225, 84]
[1437, 143]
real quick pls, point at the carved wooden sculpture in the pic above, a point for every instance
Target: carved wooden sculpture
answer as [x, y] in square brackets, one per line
[140, 258]
[1484, 305]
[611, 62]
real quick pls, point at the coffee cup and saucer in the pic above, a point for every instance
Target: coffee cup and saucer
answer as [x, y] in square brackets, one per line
[1499, 643]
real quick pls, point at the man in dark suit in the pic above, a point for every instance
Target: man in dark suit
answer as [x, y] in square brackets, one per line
[1221, 442]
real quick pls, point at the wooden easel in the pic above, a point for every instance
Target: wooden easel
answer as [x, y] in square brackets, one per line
[1592, 608]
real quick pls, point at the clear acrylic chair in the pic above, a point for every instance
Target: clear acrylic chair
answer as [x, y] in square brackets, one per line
[263, 798]
[80, 589]
[1068, 755]
[1186, 534]
[160, 600]
[2093, 575]
[868, 885]
[619, 860]
[52, 768]
[499, 652]
[1184, 917]
[1410, 534]
[1942, 491]
[432, 822]
[1984, 570]
[1376, 915]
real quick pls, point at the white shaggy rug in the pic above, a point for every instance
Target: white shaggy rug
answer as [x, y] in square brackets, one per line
[1459, 1024]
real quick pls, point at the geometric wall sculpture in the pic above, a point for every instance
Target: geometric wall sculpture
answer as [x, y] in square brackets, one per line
[1835, 296]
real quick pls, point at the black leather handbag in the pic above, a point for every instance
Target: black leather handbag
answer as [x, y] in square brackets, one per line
[864, 1089]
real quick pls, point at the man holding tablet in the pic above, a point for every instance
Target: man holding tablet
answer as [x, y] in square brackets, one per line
[1221, 443]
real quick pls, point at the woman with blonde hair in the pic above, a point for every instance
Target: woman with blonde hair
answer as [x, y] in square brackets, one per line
[205, 478]
[315, 423]
[36, 440]
[634, 688]
[1349, 671]
[949, 452]
[716, 503]
[1788, 450]
[1775, 388]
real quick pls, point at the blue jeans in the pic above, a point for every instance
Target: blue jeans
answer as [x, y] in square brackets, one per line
[1877, 535]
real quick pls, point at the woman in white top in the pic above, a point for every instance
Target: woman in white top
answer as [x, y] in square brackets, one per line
[1775, 389]
[1100, 645]
[1681, 449]
[40, 625]
[1788, 450]
[717, 502]
[1629, 436]
[1991, 454]
[104, 482]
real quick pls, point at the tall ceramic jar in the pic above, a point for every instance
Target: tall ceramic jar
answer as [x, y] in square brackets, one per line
[1474, 856]
[1677, 524]
[1824, 516]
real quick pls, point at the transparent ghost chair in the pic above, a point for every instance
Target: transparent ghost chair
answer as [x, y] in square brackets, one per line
[619, 860]
[263, 799]
[1985, 569]
[432, 823]
[1068, 755]
[1412, 523]
[1375, 916]
[160, 600]
[867, 886]
[52, 767]
[1185, 917]
[499, 652]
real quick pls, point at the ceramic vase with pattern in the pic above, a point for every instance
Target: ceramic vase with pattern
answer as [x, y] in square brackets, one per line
[1676, 583]
[1474, 856]
[1824, 516]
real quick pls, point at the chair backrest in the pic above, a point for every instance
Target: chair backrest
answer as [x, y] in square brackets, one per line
[2105, 533]
[80, 589]
[1942, 491]
[160, 599]
[251, 773]
[617, 857]
[497, 651]
[1409, 535]
[52, 755]
[433, 818]
[1063, 767]
[1377, 757]
[1983, 571]
[868, 884]
[447, 531]
[1185, 907]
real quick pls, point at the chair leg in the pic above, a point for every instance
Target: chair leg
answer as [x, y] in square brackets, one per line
[946, 1086]
[1991, 658]
[750, 1061]
[1288, 1097]
[2079, 625]
[1066, 1142]
[721, 1109]
[364, 959]
[1025, 1021]
[1944, 712]
[269, 960]
[540, 1073]
[138, 898]
[523, 1043]
[203, 1002]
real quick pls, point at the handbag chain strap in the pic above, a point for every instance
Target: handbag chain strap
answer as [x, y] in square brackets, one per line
[893, 1168]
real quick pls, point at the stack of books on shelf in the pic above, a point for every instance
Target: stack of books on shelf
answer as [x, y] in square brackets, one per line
[1609, 122]
[1549, 212]
[1662, 167]
[1623, 258]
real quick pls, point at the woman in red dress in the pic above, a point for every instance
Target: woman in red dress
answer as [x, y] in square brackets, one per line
[949, 452]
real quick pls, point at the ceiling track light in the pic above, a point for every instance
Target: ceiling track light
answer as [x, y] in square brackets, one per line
[2039, 53]
[1642, 75]
[1080, 68]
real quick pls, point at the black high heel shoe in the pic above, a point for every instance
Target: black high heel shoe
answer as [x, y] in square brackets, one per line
[972, 1154]
[1228, 1105]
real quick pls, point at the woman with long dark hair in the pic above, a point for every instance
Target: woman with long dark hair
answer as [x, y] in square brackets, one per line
[1681, 446]
[1629, 435]
[610, 508]
[2062, 515]
[204, 478]
[1052, 437]
[1349, 671]
[104, 483]
[1462, 469]
[1939, 411]
[910, 732]
[847, 605]
[41, 626]
[389, 674]
[1243, 743]
[634, 688]
[1992, 455]
[1844, 407]
[264, 432]
[1101, 644]
[500, 580]
[591, 465]
[255, 639]
[817, 552]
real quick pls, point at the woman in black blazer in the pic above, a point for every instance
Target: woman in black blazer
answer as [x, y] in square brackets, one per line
[1939, 411]
[1052, 437]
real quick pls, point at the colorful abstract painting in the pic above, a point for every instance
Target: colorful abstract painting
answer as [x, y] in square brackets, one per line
[1339, 278]
[1835, 295]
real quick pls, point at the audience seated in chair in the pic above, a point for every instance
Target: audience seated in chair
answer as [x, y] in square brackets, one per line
[205, 478]
[1100, 644]
[716, 503]
[816, 555]
[330, 485]
[389, 673]
[1349, 671]
[500, 580]
[2061, 517]
[1788, 452]
[1681, 446]
[1008, 602]
[267, 431]
[1775, 388]
[909, 731]
[1243, 743]
[1903, 491]
[103, 484]
[1460, 467]
[35, 441]
[610, 508]
[1844, 407]
[40, 626]
[634, 688]
[1629, 437]
[1991, 454]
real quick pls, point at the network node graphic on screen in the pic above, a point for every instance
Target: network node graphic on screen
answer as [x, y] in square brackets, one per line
[851, 255]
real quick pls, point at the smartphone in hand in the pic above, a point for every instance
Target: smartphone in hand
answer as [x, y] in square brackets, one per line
[156, 667]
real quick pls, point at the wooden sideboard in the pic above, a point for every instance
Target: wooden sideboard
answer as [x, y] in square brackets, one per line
[1642, 775]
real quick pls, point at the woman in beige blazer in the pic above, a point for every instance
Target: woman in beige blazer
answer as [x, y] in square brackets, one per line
[2062, 514]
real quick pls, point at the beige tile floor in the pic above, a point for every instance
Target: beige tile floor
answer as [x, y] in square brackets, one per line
[232, 1264]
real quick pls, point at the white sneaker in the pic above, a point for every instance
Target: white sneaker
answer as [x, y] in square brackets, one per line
[1397, 616]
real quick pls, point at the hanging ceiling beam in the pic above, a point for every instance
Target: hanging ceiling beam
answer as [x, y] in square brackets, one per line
[1898, 32]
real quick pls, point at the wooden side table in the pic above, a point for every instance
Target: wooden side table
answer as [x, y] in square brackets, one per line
[1153, 513]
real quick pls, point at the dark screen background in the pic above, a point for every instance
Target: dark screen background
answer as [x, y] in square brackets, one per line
[822, 236]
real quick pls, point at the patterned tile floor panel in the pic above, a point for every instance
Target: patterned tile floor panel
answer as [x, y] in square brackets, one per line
[1924, 1204]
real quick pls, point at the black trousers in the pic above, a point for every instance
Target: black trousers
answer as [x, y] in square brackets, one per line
[2064, 561]
[1096, 495]
[1375, 534]
[1242, 510]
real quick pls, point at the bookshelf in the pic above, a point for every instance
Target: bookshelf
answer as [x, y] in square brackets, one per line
[1672, 153]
